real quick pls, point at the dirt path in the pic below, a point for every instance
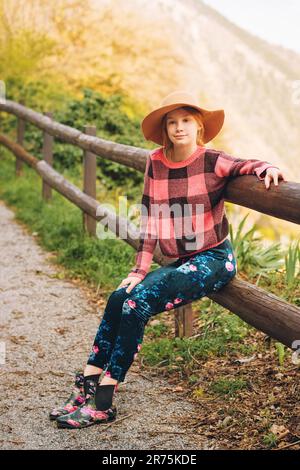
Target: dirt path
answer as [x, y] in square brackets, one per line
[47, 326]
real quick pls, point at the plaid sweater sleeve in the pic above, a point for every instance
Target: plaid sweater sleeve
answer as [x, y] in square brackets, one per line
[148, 235]
[229, 166]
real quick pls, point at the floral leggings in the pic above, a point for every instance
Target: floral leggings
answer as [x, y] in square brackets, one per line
[121, 331]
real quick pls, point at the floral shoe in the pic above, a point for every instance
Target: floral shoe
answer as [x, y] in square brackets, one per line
[97, 408]
[76, 399]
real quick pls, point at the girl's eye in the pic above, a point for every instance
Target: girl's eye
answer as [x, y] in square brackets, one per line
[185, 119]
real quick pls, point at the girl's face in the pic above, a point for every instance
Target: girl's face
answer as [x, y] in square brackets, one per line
[181, 127]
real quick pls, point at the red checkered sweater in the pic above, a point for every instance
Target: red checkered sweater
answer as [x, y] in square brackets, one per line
[200, 179]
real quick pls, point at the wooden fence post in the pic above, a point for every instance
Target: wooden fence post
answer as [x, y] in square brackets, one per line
[184, 321]
[48, 157]
[20, 141]
[89, 182]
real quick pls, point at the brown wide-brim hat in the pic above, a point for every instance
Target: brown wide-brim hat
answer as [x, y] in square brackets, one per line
[152, 124]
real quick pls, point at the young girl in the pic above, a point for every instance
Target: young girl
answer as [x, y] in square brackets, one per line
[184, 175]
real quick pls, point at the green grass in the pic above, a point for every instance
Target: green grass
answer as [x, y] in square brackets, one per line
[157, 331]
[270, 440]
[229, 387]
[222, 334]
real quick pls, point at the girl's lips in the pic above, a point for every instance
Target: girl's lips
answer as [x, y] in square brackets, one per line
[179, 136]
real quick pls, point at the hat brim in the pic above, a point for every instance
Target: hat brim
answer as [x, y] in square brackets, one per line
[212, 121]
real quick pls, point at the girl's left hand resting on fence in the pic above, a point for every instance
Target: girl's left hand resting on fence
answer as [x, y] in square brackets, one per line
[132, 281]
[273, 174]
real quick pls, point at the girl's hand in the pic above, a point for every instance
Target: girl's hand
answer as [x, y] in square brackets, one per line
[132, 281]
[273, 174]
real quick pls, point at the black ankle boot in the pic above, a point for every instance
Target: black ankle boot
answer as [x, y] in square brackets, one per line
[104, 396]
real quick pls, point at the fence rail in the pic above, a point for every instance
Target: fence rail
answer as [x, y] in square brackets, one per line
[268, 313]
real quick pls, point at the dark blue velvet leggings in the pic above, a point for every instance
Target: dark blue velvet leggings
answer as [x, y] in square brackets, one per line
[120, 333]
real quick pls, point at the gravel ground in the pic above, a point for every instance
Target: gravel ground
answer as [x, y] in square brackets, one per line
[47, 325]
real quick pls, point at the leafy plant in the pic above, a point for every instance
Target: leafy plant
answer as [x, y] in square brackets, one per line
[270, 440]
[230, 387]
[92, 108]
[252, 256]
[292, 259]
[281, 352]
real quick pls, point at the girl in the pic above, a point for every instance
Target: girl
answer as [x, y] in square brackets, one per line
[184, 175]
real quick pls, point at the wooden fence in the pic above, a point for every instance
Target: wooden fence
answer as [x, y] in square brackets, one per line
[268, 313]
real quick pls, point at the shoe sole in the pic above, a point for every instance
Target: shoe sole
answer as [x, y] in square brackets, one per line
[66, 425]
[53, 418]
